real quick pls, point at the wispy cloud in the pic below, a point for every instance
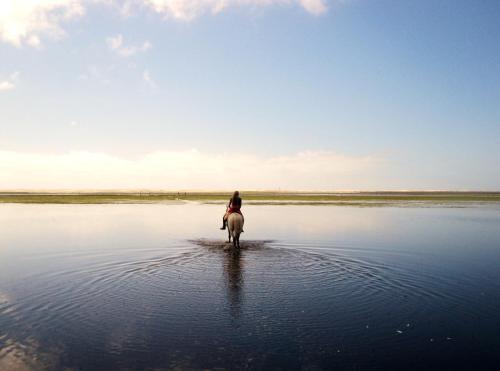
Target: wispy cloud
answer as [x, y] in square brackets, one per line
[10, 83]
[96, 74]
[188, 169]
[115, 43]
[148, 80]
[27, 22]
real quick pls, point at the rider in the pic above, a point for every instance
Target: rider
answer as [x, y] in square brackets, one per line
[233, 206]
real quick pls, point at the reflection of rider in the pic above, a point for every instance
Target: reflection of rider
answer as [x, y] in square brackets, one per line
[233, 206]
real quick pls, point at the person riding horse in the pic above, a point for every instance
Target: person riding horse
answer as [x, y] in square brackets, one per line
[234, 206]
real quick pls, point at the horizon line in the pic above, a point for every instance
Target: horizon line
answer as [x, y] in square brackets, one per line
[280, 190]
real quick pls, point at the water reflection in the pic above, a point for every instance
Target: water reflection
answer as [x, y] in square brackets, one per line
[153, 287]
[233, 269]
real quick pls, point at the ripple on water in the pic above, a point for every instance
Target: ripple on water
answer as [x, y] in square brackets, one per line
[335, 273]
[203, 287]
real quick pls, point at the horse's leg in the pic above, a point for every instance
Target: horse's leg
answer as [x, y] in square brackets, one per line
[238, 241]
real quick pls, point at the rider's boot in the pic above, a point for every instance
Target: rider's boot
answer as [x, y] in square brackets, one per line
[223, 224]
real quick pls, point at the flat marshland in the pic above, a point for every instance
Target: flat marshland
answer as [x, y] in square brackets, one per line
[250, 198]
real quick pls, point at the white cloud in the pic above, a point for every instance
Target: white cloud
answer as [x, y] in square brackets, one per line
[23, 21]
[189, 9]
[6, 85]
[146, 77]
[115, 43]
[26, 22]
[10, 83]
[316, 7]
[189, 169]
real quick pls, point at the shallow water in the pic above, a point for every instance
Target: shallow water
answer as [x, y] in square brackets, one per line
[313, 287]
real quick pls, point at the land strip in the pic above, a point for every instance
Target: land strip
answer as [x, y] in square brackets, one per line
[251, 197]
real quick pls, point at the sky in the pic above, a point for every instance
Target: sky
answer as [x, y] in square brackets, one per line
[250, 94]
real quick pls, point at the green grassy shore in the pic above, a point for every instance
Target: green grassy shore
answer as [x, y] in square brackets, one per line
[352, 198]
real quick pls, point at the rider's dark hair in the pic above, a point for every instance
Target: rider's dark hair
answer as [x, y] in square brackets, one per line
[236, 194]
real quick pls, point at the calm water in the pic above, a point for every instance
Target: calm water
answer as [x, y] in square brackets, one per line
[314, 287]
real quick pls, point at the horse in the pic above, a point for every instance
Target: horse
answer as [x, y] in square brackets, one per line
[234, 228]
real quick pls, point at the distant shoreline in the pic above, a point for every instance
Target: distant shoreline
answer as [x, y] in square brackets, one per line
[385, 198]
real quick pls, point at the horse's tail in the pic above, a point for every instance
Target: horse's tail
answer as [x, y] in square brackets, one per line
[235, 224]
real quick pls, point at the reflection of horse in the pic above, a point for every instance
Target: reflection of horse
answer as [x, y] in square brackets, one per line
[235, 226]
[233, 266]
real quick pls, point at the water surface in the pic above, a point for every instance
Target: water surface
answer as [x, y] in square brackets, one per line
[314, 287]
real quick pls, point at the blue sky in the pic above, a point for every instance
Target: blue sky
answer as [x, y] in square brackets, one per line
[352, 94]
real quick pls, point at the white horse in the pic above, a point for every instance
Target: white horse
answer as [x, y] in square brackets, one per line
[234, 228]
